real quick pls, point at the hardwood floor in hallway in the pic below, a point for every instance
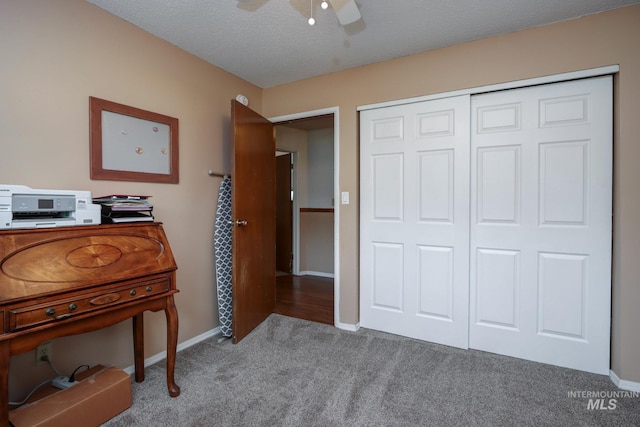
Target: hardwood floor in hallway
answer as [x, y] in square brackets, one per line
[305, 297]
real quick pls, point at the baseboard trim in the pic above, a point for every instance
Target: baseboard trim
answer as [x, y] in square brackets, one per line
[317, 273]
[624, 384]
[186, 344]
[206, 335]
[621, 384]
[348, 326]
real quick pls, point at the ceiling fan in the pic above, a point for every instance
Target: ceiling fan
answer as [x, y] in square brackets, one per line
[346, 11]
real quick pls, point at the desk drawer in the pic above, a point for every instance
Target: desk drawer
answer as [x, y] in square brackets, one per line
[24, 317]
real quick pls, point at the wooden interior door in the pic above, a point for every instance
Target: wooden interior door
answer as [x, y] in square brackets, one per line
[253, 215]
[284, 214]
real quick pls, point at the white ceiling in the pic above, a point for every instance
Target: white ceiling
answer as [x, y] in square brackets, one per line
[268, 42]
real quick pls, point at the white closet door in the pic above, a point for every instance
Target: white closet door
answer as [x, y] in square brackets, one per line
[540, 256]
[414, 220]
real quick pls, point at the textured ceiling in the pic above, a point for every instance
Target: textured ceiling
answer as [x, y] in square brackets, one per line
[268, 42]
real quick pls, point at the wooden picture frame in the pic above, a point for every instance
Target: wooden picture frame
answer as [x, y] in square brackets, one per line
[130, 144]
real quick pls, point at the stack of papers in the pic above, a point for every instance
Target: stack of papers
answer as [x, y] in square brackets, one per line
[119, 208]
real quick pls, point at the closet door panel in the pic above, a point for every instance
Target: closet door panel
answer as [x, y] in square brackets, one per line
[541, 188]
[414, 220]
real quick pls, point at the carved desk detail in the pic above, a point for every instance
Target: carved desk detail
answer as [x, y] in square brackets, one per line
[56, 282]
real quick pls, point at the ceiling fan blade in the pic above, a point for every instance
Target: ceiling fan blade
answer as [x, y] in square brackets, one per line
[346, 10]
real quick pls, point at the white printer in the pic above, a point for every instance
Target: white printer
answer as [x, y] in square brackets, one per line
[24, 207]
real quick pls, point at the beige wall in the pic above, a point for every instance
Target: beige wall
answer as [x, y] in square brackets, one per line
[594, 41]
[54, 55]
[316, 243]
[57, 53]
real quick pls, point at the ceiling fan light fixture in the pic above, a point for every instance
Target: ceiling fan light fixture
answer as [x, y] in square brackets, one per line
[311, 20]
[346, 11]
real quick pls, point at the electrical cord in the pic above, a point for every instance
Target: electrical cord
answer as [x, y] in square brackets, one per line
[39, 386]
[42, 384]
[46, 359]
[72, 378]
[23, 401]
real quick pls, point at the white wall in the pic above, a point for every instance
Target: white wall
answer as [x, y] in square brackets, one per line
[320, 168]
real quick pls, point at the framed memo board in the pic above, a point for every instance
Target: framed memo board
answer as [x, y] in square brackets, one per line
[130, 144]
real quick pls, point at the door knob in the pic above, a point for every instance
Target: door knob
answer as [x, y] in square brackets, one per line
[238, 222]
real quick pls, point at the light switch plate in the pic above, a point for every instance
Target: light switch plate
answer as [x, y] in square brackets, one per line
[345, 197]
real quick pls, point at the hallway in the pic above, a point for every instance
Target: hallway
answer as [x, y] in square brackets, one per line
[305, 297]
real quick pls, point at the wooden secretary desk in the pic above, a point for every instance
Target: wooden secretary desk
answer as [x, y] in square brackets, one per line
[63, 281]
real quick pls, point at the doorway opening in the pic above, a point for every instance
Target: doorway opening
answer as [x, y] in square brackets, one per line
[307, 282]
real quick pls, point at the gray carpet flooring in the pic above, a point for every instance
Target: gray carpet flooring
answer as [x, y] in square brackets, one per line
[291, 372]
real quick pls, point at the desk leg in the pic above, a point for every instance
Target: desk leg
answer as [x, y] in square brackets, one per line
[138, 347]
[4, 382]
[172, 343]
